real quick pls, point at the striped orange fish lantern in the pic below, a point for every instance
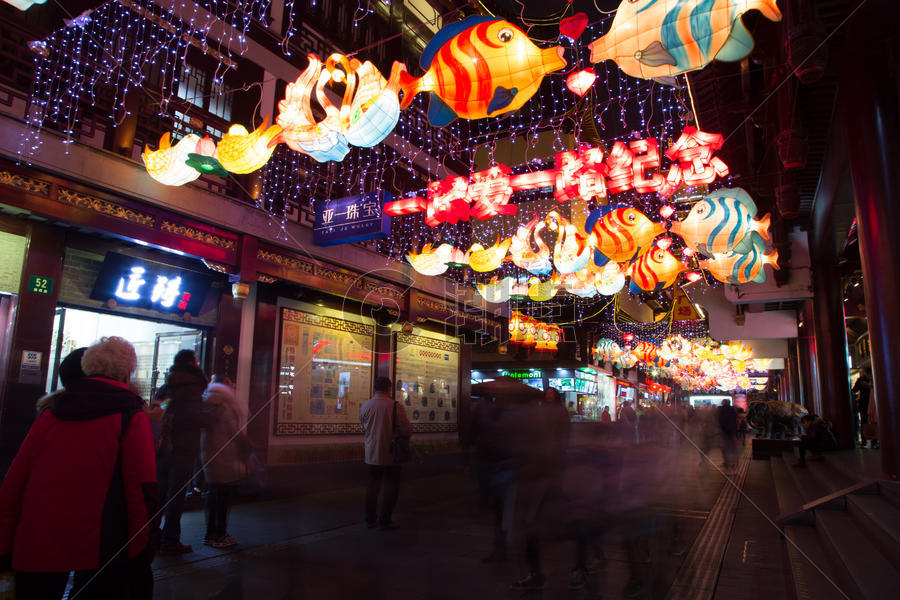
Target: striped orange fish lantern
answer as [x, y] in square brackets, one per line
[659, 39]
[655, 270]
[645, 351]
[479, 67]
[620, 233]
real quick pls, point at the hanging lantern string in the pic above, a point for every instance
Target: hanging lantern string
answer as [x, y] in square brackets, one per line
[408, 29]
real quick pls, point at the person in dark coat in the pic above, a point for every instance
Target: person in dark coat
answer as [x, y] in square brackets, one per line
[81, 493]
[728, 424]
[69, 371]
[862, 389]
[179, 444]
[817, 439]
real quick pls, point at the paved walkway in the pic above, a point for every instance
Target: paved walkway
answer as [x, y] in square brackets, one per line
[316, 546]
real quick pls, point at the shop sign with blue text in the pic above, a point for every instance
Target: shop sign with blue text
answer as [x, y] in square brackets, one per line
[351, 219]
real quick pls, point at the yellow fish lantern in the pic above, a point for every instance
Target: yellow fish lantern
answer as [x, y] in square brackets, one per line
[620, 233]
[167, 164]
[431, 261]
[479, 67]
[483, 259]
[496, 291]
[243, 152]
[541, 291]
[659, 39]
[654, 271]
[737, 269]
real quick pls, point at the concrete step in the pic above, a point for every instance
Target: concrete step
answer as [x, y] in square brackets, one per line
[865, 571]
[808, 562]
[880, 522]
[810, 486]
[789, 498]
[890, 491]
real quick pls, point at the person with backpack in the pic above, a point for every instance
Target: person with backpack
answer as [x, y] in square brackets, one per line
[81, 493]
[179, 443]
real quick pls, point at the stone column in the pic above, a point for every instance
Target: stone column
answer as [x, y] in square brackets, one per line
[871, 116]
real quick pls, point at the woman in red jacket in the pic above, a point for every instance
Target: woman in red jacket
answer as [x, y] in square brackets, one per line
[81, 494]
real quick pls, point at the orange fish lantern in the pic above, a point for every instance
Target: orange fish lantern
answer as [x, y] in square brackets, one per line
[620, 233]
[658, 39]
[542, 338]
[243, 152]
[531, 332]
[479, 67]
[167, 164]
[555, 338]
[483, 259]
[654, 271]
[645, 351]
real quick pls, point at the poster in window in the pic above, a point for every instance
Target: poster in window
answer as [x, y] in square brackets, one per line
[325, 373]
[426, 380]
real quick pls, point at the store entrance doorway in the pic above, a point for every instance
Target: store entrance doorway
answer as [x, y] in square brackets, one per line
[155, 342]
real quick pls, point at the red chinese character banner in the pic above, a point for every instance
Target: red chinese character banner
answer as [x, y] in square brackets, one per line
[585, 173]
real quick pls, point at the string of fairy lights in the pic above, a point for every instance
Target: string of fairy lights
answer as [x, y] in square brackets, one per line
[92, 64]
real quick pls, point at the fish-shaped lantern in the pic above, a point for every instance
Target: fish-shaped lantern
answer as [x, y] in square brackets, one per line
[541, 291]
[167, 164]
[742, 268]
[654, 271]
[607, 350]
[659, 39]
[721, 223]
[374, 109]
[610, 279]
[243, 152]
[645, 351]
[496, 291]
[581, 283]
[626, 360]
[571, 252]
[518, 323]
[620, 233]
[523, 255]
[431, 261]
[303, 131]
[479, 67]
[674, 347]
[483, 259]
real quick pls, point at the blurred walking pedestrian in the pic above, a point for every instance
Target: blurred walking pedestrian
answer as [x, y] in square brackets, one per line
[380, 417]
[81, 493]
[179, 443]
[728, 427]
[224, 452]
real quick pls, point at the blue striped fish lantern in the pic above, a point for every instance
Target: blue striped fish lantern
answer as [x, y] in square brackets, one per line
[721, 223]
[659, 39]
[607, 350]
[742, 268]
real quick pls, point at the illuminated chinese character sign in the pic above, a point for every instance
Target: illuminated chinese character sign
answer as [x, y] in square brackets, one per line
[140, 283]
[586, 173]
[351, 219]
